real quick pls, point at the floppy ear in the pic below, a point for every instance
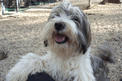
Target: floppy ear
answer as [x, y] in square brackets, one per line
[45, 43]
[82, 48]
[86, 29]
[84, 34]
[82, 44]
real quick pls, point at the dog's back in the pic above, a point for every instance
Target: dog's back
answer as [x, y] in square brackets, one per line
[99, 62]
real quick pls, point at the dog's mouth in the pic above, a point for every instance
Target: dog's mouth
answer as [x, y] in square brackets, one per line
[61, 39]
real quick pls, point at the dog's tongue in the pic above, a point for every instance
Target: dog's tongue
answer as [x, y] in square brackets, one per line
[60, 38]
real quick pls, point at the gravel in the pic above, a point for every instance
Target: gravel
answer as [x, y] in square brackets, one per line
[22, 33]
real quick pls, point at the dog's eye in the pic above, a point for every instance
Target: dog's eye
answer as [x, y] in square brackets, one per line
[52, 17]
[58, 15]
[75, 19]
[55, 15]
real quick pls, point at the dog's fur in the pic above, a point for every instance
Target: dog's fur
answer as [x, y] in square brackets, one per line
[70, 61]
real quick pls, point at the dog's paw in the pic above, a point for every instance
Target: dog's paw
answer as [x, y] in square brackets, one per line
[29, 64]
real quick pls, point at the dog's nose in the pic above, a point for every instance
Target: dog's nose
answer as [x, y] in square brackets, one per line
[59, 26]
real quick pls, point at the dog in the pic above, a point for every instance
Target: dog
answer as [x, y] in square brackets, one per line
[67, 36]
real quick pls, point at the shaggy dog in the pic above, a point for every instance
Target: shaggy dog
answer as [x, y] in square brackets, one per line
[68, 39]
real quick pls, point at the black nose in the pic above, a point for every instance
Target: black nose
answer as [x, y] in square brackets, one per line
[59, 26]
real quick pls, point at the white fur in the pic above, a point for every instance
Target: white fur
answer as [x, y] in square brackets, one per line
[78, 67]
[63, 62]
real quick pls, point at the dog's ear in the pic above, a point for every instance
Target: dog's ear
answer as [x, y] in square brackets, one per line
[84, 34]
[86, 29]
[82, 48]
[45, 43]
[82, 44]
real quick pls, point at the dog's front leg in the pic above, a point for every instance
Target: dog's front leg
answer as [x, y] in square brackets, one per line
[29, 64]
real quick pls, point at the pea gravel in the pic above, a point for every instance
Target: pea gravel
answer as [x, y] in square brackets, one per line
[22, 33]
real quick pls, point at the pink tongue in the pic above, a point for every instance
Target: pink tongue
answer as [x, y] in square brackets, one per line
[60, 38]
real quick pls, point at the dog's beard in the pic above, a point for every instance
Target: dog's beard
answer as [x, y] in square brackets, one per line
[65, 48]
[63, 43]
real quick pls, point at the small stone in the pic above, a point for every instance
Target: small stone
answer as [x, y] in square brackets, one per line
[3, 55]
[119, 60]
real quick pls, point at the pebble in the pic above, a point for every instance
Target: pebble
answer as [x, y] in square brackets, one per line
[118, 60]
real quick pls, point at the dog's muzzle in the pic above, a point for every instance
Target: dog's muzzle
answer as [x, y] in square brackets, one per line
[60, 38]
[59, 26]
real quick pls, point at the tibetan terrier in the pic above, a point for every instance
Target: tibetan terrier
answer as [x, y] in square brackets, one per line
[68, 40]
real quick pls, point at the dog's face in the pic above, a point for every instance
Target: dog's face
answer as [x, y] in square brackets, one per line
[67, 30]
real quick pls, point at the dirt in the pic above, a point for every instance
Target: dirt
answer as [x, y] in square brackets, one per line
[22, 33]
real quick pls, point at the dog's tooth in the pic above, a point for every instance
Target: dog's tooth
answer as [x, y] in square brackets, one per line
[63, 39]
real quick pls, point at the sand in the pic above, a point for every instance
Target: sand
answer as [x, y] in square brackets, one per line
[22, 33]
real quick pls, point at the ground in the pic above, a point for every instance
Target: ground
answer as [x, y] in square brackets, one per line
[22, 33]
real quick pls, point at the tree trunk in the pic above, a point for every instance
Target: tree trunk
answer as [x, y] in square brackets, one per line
[114, 1]
[0, 9]
[110, 1]
[104, 1]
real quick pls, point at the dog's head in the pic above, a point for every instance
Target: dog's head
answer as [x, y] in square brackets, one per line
[67, 29]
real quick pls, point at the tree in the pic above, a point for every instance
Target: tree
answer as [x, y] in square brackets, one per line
[22, 3]
[110, 1]
[0, 8]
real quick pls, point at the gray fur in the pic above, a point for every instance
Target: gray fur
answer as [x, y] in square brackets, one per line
[84, 31]
[106, 53]
[99, 62]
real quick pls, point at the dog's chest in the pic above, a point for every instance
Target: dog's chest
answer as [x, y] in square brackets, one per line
[74, 69]
[61, 72]
[69, 71]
